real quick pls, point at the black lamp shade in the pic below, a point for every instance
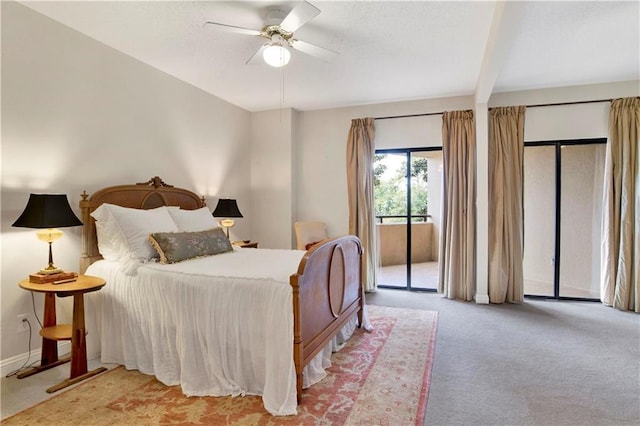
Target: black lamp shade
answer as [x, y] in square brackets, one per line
[47, 211]
[227, 208]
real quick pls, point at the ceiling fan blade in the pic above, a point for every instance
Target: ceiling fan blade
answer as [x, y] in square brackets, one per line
[299, 15]
[232, 28]
[313, 50]
[257, 56]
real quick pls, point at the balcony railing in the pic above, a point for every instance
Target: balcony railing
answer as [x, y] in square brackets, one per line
[424, 217]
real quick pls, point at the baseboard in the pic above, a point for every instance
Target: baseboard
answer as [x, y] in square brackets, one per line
[9, 365]
[482, 299]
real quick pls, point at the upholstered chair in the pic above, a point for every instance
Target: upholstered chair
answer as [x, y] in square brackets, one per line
[309, 233]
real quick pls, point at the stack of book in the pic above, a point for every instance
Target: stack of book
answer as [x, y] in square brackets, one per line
[52, 278]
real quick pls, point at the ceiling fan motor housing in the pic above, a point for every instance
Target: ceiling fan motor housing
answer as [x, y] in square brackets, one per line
[270, 30]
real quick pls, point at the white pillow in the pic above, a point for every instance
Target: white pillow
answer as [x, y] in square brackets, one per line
[193, 220]
[111, 243]
[122, 232]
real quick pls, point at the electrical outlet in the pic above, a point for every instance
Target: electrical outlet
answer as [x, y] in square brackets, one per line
[23, 325]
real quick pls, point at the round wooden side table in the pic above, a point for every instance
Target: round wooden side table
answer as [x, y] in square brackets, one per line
[51, 331]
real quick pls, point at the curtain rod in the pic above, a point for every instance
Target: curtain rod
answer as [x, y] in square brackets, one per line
[569, 103]
[410, 115]
[528, 106]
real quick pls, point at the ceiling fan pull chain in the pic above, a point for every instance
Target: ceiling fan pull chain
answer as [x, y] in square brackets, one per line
[281, 93]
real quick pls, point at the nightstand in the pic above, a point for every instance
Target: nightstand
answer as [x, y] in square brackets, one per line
[52, 331]
[244, 244]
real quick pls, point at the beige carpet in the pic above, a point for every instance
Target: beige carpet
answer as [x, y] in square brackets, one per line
[380, 377]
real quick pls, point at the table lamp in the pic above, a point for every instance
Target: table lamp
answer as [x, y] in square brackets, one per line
[227, 208]
[47, 212]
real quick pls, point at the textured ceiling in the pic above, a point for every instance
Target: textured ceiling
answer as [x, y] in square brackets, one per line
[388, 50]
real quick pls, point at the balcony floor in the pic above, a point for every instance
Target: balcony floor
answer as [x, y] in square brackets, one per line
[423, 276]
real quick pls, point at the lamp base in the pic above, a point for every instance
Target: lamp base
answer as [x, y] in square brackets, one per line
[226, 224]
[50, 270]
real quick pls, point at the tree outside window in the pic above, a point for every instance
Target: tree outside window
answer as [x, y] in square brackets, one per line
[390, 187]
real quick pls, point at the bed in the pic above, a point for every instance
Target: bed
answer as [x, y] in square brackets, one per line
[265, 330]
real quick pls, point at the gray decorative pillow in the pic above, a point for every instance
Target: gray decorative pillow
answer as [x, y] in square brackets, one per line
[178, 246]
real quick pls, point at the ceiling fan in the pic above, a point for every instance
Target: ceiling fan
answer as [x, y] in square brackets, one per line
[275, 52]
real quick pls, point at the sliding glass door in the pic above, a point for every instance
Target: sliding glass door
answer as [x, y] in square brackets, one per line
[582, 175]
[407, 198]
[539, 220]
[562, 218]
[391, 201]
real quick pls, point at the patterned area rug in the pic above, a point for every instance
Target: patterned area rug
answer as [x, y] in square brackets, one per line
[378, 378]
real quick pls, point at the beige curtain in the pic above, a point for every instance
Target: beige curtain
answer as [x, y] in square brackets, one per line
[457, 243]
[506, 158]
[620, 266]
[360, 155]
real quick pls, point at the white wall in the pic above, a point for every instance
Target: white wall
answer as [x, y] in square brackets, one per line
[272, 158]
[409, 132]
[78, 115]
[589, 120]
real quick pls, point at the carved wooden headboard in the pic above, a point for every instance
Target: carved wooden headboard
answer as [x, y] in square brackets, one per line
[145, 195]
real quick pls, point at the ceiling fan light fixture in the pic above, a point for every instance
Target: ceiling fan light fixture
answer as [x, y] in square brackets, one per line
[276, 55]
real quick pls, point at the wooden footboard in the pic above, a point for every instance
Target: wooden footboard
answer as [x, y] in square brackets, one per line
[327, 292]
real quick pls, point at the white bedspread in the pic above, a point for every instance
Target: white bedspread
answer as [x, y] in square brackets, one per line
[228, 334]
